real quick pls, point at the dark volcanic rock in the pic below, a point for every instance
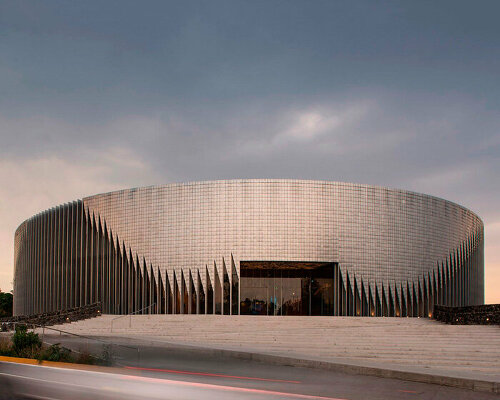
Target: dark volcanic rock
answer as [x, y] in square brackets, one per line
[488, 314]
[52, 318]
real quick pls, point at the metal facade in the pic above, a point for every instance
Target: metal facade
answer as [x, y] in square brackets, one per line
[178, 247]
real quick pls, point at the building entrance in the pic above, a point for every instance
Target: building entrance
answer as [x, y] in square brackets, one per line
[286, 288]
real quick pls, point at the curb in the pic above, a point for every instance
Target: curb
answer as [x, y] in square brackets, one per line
[462, 383]
[58, 364]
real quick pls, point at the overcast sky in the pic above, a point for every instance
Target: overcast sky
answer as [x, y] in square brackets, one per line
[103, 95]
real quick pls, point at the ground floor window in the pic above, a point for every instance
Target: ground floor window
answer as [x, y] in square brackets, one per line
[286, 288]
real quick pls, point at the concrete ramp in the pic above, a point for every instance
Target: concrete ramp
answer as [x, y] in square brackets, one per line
[406, 344]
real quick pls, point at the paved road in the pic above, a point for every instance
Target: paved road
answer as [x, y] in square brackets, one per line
[18, 381]
[180, 374]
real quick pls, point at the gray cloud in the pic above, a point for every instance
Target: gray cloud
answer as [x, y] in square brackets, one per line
[389, 93]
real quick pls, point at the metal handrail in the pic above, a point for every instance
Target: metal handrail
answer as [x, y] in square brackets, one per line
[108, 342]
[130, 316]
[68, 333]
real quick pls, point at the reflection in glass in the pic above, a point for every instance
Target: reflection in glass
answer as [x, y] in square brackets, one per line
[286, 288]
[217, 292]
[177, 296]
[234, 289]
[210, 293]
[201, 296]
[194, 297]
[226, 290]
[184, 295]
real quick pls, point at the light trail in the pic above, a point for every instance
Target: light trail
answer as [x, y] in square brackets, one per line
[173, 371]
[228, 388]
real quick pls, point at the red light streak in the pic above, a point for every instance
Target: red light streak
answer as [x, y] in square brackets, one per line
[228, 388]
[173, 371]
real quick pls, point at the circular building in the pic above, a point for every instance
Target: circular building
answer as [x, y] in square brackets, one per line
[252, 246]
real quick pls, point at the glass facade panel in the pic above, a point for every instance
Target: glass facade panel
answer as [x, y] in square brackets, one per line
[286, 288]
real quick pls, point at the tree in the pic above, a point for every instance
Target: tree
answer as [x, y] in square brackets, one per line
[6, 301]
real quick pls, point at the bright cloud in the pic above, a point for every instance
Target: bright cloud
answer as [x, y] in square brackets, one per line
[30, 186]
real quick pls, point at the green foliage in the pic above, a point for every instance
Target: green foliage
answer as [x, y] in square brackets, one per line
[28, 345]
[24, 343]
[106, 356]
[6, 347]
[57, 353]
[86, 358]
[6, 301]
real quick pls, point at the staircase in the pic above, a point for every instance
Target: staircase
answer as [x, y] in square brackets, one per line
[411, 342]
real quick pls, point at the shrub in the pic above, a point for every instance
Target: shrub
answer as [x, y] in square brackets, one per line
[6, 300]
[57, 353]
[5, 347]
[28, 345]
[24, 343]
[85, 358]
[106, 356]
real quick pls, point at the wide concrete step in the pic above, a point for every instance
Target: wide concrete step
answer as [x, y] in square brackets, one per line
[391, 341]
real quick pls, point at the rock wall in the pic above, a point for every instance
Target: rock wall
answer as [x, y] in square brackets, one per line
[52, 318]
[488, 314]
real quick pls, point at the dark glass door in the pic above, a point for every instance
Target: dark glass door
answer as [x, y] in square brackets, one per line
[286, 288]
